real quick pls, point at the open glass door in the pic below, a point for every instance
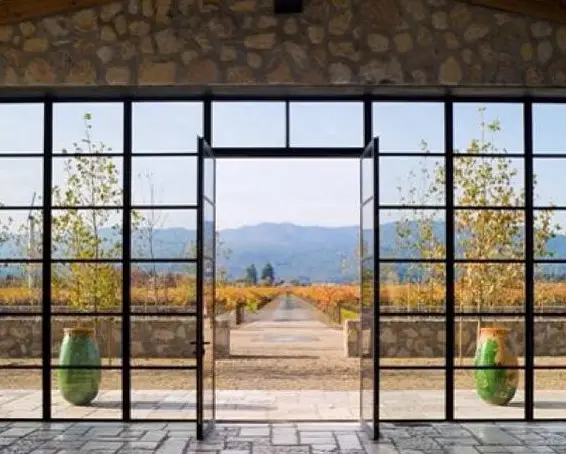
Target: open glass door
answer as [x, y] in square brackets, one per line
[206, 277]
[368, 338]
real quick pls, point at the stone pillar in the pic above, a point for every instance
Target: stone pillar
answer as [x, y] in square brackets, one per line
[222, 339]
[351, 333]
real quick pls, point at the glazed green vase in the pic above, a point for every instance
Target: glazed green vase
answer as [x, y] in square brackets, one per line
[495, 386]
[79, 348]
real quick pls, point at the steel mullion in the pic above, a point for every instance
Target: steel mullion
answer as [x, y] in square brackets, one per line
[450, 256]
[127, 264]
[165, 154]
[57, 156]
[47, 258]
[529, 265]
[376, 290]
[14, 155]
[199, 293]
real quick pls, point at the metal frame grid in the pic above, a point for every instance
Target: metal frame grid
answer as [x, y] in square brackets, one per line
[406, 95]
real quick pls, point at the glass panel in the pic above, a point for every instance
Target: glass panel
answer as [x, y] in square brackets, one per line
[489, 234]
[163, 341]
[412, 233]
[166, 127]
[171, 180]
[164, 234]
[22, 181]
[487, 182]
[411, 394]
[106, 405]
[390, 120]
[365, 343]
[208, 230]
[490, 287]
[367, 177]
[20, 287]
[549, 178]
[106, 333]
[468, 405]
[548, 128]
[326, 124]
[88, 128]
[550, 342]
[411, 181]
[87, 234]
[248, 124]
[21, 233]
[368, 232]
[412, 287]
[13, 117]
[87, 181]
[550, 239]
[549, 394]
[550, 291]
[21, 394]
[488, 128]
[208, 372]
[86, 287]
[411, 341]
[163, 287]
[21, 341]
[165, 394]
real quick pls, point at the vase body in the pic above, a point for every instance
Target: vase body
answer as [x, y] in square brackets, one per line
[79, 348]
[495, 386]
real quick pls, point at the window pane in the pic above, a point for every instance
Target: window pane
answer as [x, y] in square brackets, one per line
[549, 185]
[548, 128]
[21, 181]
[16, 139]
[248, 124]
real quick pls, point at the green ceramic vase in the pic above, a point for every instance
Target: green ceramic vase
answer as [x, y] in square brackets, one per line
[495, 386]
[79, 348]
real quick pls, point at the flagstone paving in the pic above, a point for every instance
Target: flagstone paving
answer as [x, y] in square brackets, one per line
[288, 438]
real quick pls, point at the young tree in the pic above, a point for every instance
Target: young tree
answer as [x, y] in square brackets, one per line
[268, 274]
[251, 275]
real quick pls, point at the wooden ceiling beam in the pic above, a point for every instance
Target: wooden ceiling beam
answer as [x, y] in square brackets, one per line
[551, 10]
[22, 10]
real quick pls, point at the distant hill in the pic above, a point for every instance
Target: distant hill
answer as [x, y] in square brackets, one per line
[296, 252]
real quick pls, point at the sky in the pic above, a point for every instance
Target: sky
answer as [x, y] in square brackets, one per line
[249, 191]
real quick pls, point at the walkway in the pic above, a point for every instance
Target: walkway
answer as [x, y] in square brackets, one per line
[302, 438]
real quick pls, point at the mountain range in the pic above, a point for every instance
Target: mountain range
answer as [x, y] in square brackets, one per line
[306, 253]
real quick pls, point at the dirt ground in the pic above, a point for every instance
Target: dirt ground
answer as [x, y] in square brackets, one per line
[328, 373]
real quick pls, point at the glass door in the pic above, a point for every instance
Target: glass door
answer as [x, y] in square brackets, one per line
[206, 274]
[368, 339]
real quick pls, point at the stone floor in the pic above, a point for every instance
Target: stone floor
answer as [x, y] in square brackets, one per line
[289, 438]
[255, 405]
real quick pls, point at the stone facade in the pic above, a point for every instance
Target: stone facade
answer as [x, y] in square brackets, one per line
[197, 42]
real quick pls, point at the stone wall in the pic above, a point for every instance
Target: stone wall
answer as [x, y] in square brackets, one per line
[426, 339]
[166, 42]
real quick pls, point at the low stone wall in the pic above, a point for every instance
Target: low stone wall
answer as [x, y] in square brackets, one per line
[150, 338]
[426, 338]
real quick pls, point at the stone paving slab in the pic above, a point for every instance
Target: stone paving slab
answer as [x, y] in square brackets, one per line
[265, 405]
[287, 438]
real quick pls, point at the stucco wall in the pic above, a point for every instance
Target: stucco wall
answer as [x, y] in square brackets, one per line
[239, 41]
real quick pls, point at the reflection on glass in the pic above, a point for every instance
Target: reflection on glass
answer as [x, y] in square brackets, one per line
[365, 344]
[489, 234]
[367, 174]
[88, 128]
[490, 128]
[12, 140]
[413, 233]
[411, 181]
[367, 234]
[412, 287]
[490, 287]
[176, 131]
[390, 120]
[248, 124]
[22, 181]
[548, 128]
[163, 287]
[326, 124]
[487, 181]
[82, 287]
[164, 234]
[164, 181]
[422, 394]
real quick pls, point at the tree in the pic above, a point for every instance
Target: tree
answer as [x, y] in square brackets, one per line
[268, 274]
[251, 275]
